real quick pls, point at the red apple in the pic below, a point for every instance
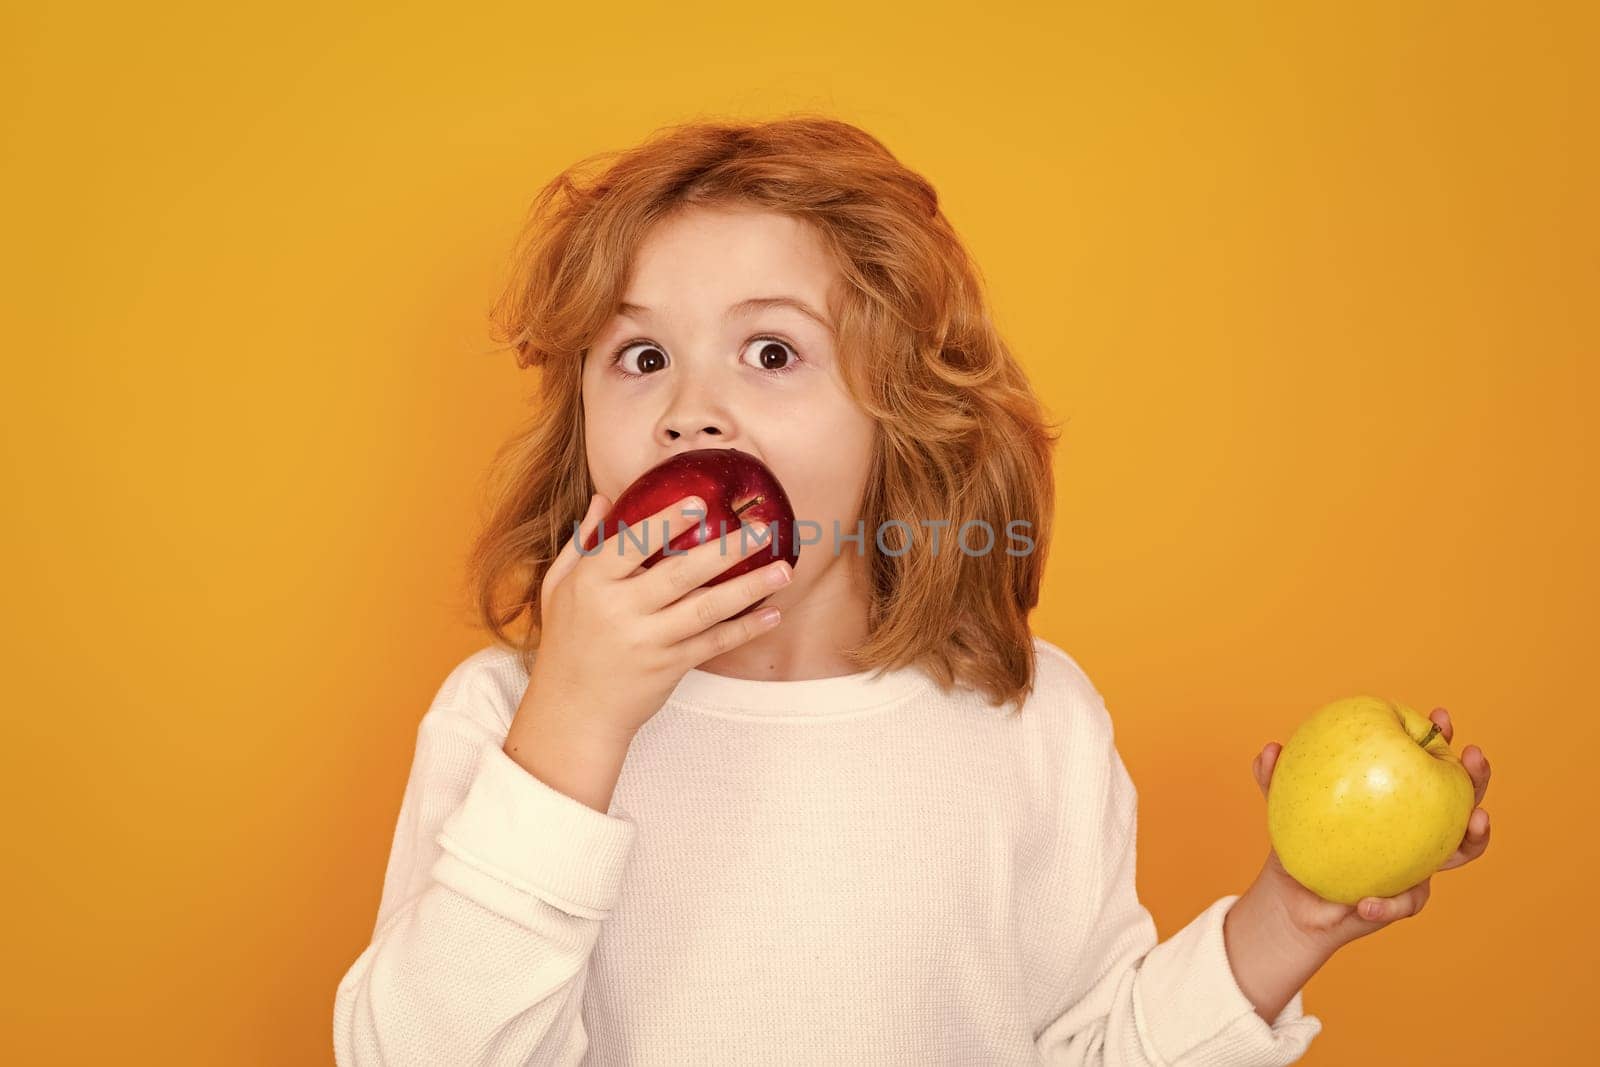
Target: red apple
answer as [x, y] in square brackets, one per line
[737, 487]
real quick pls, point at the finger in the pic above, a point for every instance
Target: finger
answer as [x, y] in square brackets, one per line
[1477, 766]
[625, 546]
[682, 573]
[704, 608]
[568, 557]
[1442, 717]
[1388, 909]
[1268, 758]
[725, 636]
[1473, 842]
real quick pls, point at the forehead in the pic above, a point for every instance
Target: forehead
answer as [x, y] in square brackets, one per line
[711, 258]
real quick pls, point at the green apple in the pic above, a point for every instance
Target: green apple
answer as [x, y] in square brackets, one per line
[1366, 800]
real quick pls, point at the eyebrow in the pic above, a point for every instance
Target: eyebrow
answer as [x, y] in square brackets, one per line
[745, 307]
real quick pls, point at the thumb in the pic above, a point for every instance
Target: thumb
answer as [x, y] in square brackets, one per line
[1265, 763]
[569, 556]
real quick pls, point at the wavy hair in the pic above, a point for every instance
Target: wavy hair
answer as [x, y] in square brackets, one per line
[961, 435]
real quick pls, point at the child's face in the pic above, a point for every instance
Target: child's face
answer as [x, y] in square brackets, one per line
[764, 380]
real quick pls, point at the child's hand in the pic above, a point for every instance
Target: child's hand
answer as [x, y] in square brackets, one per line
[1333, 924]
[615, 639]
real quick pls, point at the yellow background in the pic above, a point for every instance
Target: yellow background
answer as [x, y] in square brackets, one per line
[1314, 287]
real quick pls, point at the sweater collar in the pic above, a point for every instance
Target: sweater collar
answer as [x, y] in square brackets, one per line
[803, 697]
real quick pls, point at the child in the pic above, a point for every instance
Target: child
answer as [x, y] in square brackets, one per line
[656, 830]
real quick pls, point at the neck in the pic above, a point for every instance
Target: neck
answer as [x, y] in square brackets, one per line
[821, 619]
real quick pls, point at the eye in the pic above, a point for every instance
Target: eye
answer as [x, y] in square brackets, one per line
[651, 358]
[778, 357]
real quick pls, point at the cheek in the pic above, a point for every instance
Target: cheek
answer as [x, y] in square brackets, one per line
[822, 416]
[610, 467]
[824, 469]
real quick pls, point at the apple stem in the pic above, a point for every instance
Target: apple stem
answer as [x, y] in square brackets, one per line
[1429, 736]
[747, 505]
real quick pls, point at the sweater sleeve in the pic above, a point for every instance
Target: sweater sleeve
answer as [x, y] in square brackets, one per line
[493, 897]
[1143, 1004]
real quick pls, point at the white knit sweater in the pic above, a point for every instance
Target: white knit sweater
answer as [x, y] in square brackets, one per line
[847, 870]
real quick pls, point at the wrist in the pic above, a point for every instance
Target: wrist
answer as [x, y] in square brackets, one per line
[579, 761]
[1270, 956]
[1270, 906]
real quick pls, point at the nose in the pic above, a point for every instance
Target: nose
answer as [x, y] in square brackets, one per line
[692, 429]
[695, 418]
